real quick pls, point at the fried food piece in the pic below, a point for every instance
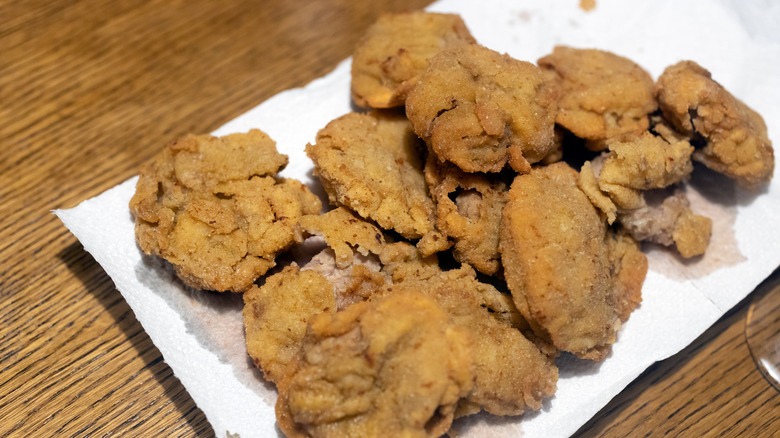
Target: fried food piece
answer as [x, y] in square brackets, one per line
[215, 210]
[667, 222]
[360, 259]
[642, 163]
[479, 109]
[395, 366]
[370, 163]
[511, 374]
[564, 276]
[468, 211]
[735, 136]
[345, 233]
[602, 95]
[395, 51]
[275, 317]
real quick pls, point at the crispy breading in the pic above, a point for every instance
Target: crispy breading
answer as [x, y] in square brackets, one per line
[602, 95]
[479, 109]
[371, 164]
[669, 221]
[735, 136]
[345, 233]
[394, 366]
[692, 234]
[511, 374]
[559, 264]
[275, 317]
[215, 210]
[645, 162]
[468, 211]
[395, 50]
[642, 163]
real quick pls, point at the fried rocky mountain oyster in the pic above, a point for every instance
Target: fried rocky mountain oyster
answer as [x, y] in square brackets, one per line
[214, 208]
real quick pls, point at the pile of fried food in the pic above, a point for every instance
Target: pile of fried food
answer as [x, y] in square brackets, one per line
[487, 217]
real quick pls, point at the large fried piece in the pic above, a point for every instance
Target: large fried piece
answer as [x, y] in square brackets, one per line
[511, 374]
[395, 366]
[215, 210]
[565, 277]
[370, 163]
[735, 136]
[395, 50]
[468, 212]
[275, 317]
[479, 110]
[602, 95]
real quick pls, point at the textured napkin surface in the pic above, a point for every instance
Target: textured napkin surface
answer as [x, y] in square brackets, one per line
[201, 337]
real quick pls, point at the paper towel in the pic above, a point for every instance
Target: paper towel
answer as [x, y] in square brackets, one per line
[736, 41]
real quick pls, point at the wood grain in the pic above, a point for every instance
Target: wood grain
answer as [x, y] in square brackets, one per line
[91, 89]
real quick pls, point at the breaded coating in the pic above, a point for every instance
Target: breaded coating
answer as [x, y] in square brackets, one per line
[215, 210]
[359, 258]
[559, 265]
[641, 163]
[395, 366]
[602, 95]
[645, 162]
[735, 136]
[352, 283]
[669, 221]
[468, 211]
[395, 50]
[479, 109]
[275, 317]
[345, 233]
[692, 234]
[512, 375]
[371, 164]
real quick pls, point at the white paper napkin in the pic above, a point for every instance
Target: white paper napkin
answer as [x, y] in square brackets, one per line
[201, 337]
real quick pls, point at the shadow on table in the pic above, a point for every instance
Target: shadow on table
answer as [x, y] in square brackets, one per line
[97, 282]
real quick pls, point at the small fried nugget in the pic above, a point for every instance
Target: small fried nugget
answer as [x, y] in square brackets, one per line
[645, 162]
[468, 211]
[479, 109]
[511, 374]
[345, 233]
[558, 263]
[275, 317]
[735, 136]
[641, 163]
[395, 51]
[602, 95]
[215, 210]
[394, 366]
[668, 220]
[360, 258]
[371, 164]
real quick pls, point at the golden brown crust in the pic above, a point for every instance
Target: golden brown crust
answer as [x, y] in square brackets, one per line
[345, 233]
[214, 209]
[692, 234]
[479, 109]
[370, 163]
[511, 374]
[736, 138]
[602, 95]
[468, 211]
[395, 366]
[558, 262]
[275, 317]
[395, 51]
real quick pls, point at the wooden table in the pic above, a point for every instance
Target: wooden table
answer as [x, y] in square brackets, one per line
[91, 89]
